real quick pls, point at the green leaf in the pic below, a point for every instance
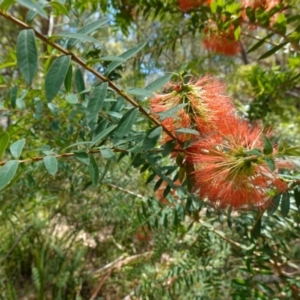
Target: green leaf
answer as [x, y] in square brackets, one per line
[7, 172]
[87, 29]
[32, 14]
[187, 130]
[16, 148]
[50, 163]
[274, 205]
[168, 148]
[126, 55]
[170, 113]
[107, 153]
[8, 64]
[4, 140]
[103, 134]
[139, 92]
[254, 151]
[152, 138]
[237, 33]
[27, 55]
[126, 123]
[250, 14]
[56, 76]
[268, 147]
[256, 230]
[96, 102]
[79, 36]
[72, 99]
[272, 51]
[158, 83]
[285, 204]
[6, 4]
[82, 156]
[297, 197]
[271, 163]
[241, 282]
[33, 6]
[68, 79]
[77, 144]
[13, 96]
[79, 83]
[111, 58]
[93, 170]
[61, 9]
[261, 42]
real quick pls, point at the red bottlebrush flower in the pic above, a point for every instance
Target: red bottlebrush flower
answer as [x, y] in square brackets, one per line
[205, 104]
[186, 5]
[228, 174]
[143, 234]
[222, 43]
[264, 4]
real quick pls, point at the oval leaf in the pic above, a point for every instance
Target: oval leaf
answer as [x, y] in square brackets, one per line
[27, 55]
[93, 170]
[50, 163]
[4, 140]
[274, 205]
[7, 172]
[56, 76]
[61, 9]
[271, 163]
[33, 6]
[89, 28]
[103, 134]
[187, 130]
[268, 147]
[297, 197]
[79, 36]
[126, 55]
[151, 138]
[285, 204]
[158, 83]
[126, 122]
[79, 83]
[16, 148]
[82, 156]
[111, 58]
[68, 79]
[96, 102]
[139, 92]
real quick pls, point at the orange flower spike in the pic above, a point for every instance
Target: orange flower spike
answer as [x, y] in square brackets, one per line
[211, 105]
[186, 5]
[264, 4]
[226, 175]
[206, 104]
[222, 44]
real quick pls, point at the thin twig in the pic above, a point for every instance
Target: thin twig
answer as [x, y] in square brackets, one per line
[99, 286]
[64, 155]
[124, 259]
[125, 190]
